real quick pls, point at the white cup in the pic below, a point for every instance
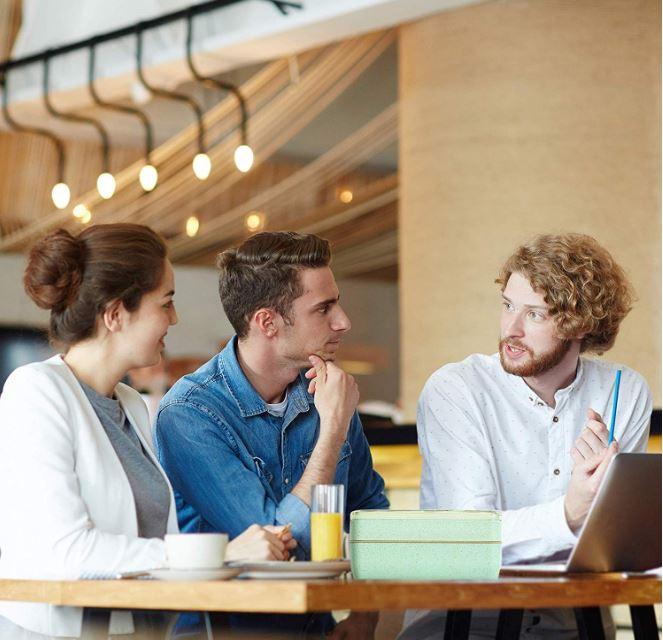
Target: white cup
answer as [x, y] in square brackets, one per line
[196, 550]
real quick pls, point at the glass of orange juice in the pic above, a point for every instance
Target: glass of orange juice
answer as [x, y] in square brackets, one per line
[327, 509]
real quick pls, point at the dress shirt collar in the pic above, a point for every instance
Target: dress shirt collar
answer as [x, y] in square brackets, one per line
[561, 395]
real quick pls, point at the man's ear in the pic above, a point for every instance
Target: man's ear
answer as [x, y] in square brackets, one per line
[265, 321]
[113, 316]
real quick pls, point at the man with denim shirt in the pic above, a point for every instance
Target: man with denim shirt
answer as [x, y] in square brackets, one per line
[246, 437]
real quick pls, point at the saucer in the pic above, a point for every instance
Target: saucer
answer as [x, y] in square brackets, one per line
[279, 570]
[195, 575]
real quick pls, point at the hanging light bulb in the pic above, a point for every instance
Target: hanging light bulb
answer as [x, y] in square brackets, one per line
[148, 177]
[255, 221]
[61, 200]
[60, 195]
[83, 213]
[243, 157]
[106, 185]
[243, 153]
[202, 165]
[80, 211]
[192, 226]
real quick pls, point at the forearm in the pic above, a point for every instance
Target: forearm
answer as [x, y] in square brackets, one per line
[58, 541]
[95, 550]
[535, 532]
[321, 467]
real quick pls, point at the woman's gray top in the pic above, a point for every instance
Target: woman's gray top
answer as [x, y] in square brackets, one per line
[150, 490]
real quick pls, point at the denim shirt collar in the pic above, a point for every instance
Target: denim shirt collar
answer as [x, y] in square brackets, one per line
[249, 403]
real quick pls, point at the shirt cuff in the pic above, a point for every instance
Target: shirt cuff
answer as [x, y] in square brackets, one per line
[561, 536]
[294, 510]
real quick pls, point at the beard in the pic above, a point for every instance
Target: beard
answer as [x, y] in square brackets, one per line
[536, 364]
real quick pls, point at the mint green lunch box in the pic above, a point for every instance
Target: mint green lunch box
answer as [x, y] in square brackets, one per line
[425, 545]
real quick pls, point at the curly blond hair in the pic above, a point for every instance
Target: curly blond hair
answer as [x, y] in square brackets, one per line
[586, 291]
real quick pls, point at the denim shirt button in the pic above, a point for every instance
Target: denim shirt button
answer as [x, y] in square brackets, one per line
[287, 480]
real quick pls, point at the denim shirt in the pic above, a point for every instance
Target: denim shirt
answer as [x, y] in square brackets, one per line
[232, 464]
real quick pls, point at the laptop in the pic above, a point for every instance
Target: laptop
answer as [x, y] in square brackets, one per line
[622, 531]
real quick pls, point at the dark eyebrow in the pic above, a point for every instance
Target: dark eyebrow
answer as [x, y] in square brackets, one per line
[171, 293]
[324, 303]
[527, 306]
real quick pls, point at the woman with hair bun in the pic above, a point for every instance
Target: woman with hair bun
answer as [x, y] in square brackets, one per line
[80, 488]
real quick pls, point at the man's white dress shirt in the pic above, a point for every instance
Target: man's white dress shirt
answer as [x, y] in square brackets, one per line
[489, 442]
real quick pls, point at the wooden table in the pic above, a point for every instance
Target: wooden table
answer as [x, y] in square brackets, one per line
[512, 595]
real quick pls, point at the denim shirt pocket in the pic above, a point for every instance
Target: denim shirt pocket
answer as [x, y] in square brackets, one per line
[342, 466]
[263, 472]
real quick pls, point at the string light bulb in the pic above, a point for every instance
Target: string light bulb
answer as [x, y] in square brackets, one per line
[82, 212]
[244, 158]
[345, 196]
[255, 221]
[148, 177]
[60, 195]
[192, 226]
[106, 185]
[202, 165]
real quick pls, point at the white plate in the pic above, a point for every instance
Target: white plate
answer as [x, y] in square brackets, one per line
[275, 570]
[193, 575]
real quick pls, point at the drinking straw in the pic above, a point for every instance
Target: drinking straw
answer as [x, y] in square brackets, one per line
[615, 399]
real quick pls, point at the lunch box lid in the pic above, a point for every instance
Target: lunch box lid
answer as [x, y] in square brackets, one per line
[423, 514]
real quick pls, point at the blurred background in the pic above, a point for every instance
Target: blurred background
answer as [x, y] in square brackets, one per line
[424, 139]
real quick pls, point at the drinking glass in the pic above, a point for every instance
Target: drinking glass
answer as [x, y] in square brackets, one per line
[327, 509]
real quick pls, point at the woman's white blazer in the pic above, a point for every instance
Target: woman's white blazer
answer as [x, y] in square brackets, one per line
[66, 505]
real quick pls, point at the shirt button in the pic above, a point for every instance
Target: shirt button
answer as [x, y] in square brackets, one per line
[555, 419]
[556, 472]
[287, 480]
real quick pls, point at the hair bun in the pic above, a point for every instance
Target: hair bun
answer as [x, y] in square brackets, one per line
[55, 270]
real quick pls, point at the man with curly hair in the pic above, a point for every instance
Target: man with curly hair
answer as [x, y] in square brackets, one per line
[522, 431]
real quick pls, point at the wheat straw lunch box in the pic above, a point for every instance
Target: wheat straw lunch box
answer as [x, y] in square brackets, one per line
[425, 545]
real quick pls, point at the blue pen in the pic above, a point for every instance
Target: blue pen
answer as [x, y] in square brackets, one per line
[615, 400]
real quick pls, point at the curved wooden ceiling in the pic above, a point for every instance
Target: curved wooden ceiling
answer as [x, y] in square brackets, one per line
[363, 231]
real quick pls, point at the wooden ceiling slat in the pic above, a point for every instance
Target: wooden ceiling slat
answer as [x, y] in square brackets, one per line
[293, 111]
[128, 190]
[356, 232]
[10, 23]
[374, 195]
[374, 215]
[361, 145]
[376, 253]
[289, 109]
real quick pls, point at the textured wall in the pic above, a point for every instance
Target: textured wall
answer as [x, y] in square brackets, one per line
[520, 117]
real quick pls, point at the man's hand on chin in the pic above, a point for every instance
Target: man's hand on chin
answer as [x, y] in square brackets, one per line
[357, 626]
